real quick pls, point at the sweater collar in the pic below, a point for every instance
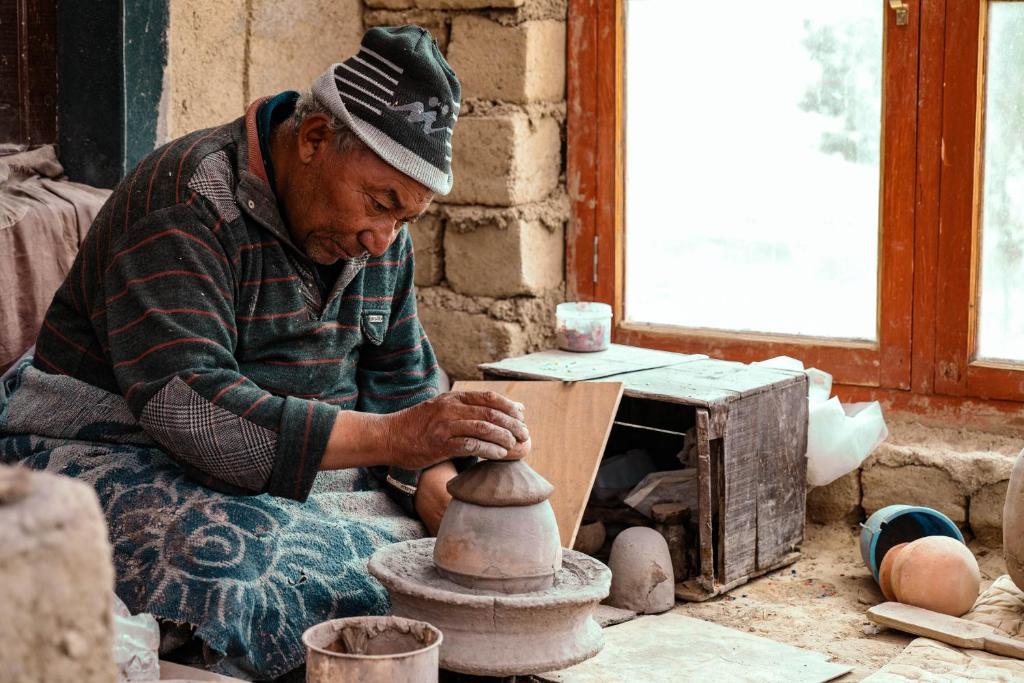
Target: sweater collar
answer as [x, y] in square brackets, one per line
[254, 195]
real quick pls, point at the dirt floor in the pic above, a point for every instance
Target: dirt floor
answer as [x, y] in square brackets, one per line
[819, 602]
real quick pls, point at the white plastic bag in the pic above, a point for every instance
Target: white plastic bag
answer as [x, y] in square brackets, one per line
[136, 645]
[839, 437]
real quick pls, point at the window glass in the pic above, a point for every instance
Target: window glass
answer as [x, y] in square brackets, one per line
[752, 165]
[1001, 309]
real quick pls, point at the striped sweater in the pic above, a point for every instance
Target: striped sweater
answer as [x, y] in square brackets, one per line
[189, 299]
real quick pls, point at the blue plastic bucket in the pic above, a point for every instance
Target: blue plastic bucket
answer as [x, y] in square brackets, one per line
[895, 524]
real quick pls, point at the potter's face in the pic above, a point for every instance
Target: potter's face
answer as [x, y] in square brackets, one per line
[342, 204]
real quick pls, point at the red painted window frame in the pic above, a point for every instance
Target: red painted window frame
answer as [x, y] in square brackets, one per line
[927, 275]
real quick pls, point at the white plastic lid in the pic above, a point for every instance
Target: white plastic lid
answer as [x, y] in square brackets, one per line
[583, 309]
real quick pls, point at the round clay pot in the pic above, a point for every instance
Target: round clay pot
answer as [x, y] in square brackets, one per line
[507, 549]
[499, 532]
[1013, 524]
[885, 571]
[641, 572]
[937, 573]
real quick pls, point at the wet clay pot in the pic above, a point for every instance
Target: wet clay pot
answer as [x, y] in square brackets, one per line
[937, 573]
[499, 532]
[885, 571]
[1013, 524]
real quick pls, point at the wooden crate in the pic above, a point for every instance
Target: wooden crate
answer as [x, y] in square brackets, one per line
[750, 428]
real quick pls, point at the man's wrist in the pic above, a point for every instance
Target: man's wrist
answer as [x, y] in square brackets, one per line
[359, 440]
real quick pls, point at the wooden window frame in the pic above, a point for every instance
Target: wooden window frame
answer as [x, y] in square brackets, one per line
[922, 361]
[28, 67]
[960, 372]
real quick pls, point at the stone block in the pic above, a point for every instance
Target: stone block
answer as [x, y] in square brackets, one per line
[504, 160]
[469, 4]
[986, 513]
[913, 485]
[293, 43]
[836, 502]
[427, 234]
[204, 81]
[523, 63]
[462, 341]
[525, 257]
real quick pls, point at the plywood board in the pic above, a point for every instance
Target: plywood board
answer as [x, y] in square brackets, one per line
[674, 648]
[569, 425]
[574, 367]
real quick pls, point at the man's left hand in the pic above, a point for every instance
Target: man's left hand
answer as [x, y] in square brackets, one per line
[432, 495]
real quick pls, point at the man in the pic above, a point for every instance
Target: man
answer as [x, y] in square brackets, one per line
[248, 292]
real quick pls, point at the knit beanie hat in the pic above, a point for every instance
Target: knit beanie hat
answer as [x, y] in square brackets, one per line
[400, 97]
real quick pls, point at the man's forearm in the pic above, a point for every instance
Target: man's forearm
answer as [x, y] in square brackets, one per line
[358, 440]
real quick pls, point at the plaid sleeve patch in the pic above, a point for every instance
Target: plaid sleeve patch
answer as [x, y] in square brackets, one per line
[209, 438]
[215, 180]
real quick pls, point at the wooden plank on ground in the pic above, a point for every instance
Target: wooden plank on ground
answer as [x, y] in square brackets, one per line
[946, 628]
[569, 426]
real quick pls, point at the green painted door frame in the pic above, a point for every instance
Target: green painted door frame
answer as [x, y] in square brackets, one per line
[111, 56]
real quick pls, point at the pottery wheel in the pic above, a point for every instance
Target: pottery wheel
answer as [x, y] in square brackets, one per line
[490, 633]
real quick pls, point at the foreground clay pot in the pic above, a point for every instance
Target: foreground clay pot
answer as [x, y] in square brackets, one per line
[885, 571]
[641, 572]
[1013, 524]
[56, 576]
[937, 573]
[499, 532]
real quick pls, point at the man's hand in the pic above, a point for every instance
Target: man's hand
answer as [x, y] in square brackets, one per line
[432, 495]
[480, 423]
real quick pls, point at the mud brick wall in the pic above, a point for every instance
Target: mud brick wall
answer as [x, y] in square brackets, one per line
[490, 257]
[222, 54]
[960, 472]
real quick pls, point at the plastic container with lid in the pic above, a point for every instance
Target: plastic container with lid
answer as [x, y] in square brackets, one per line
[583, 326]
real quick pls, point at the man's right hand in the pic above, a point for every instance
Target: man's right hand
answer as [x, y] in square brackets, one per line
[480, 423]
